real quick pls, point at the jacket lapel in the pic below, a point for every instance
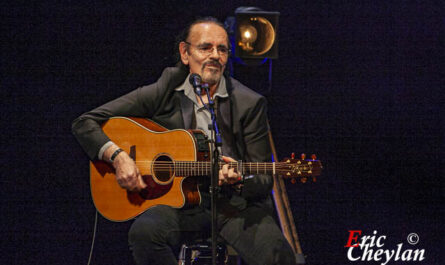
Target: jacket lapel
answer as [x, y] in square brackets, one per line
[186, 110]
[224, 117]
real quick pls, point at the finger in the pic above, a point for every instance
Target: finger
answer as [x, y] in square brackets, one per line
[128, 181]
[142, 184]
[133, 183]
[133, 179]
[120, 179]
[225, 170]
[228, 159]
[120, 182]
[138, 180]
[231, 173]
[221, 178]
[233, 176]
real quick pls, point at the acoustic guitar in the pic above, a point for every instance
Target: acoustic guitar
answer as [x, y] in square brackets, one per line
[170, 162]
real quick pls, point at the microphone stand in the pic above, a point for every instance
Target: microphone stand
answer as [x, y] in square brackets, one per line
[215, 142]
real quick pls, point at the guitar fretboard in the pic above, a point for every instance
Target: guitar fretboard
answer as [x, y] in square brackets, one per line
[202, 168]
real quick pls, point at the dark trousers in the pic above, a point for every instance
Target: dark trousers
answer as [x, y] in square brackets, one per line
[156, 236]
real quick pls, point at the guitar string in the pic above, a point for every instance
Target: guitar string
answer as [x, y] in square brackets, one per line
[209, 166]
[221, 164]
[205, 166]
[206, 163]
[168, 167]
[208, 169]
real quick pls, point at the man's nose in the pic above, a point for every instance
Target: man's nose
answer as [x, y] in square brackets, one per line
[215, 53]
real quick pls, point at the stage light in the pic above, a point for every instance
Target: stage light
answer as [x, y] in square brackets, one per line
[256, 33]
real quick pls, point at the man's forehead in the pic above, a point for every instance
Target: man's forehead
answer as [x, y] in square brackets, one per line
[207, 31]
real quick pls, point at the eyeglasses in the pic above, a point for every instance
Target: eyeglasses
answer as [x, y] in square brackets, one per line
[207, 49]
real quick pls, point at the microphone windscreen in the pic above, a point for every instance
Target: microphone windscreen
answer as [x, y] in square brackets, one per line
[195, 80]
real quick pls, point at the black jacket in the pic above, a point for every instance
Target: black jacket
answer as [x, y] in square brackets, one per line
[242, 119]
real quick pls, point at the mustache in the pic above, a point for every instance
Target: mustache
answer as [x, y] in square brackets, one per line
[212, 63]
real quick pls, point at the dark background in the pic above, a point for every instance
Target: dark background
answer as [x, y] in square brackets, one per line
[359, 83]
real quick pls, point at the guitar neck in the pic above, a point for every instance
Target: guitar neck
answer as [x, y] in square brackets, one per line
[197, 168]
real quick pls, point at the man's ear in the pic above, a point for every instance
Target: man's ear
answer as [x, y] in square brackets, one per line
[183, 51]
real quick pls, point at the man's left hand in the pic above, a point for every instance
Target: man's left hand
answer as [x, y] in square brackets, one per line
[228, 175]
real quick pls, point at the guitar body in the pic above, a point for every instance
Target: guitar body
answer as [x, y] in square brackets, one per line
[146, 141]
[169, 162]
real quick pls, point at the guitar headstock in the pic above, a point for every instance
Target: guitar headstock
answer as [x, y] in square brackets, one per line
[303, 168]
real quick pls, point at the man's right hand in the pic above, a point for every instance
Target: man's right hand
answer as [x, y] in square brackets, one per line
[128, 175]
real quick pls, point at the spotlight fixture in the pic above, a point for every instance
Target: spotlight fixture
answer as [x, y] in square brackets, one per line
[256, 33]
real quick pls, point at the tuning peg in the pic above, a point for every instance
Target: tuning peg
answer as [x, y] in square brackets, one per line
[314, 157]
[292, 155]
[314, 179]
[303, 156]
[303, 180]
[293, 181]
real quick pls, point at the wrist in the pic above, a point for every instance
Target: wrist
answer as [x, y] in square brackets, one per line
[114, 155]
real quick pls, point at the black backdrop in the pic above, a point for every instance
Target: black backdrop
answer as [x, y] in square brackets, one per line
[357, 82]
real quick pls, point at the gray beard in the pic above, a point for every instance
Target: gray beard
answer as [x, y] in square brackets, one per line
[211, 78]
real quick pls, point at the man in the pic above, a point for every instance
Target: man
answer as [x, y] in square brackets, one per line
[244, 215]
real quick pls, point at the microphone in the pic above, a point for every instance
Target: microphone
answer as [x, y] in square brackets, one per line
[195, 81]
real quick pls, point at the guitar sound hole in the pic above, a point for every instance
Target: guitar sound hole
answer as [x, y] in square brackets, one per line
[163, 168]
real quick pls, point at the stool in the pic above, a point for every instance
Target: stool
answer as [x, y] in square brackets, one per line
[201, 254]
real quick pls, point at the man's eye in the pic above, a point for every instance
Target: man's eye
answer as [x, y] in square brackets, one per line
[223, 49]
[206, 48]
